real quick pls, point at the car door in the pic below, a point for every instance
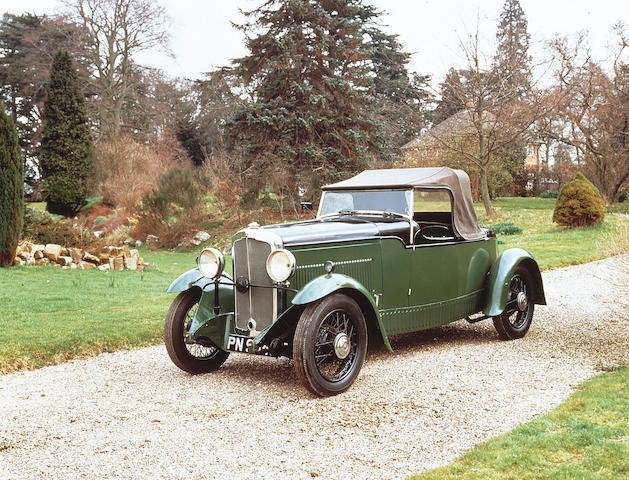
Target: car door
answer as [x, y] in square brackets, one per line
[439, 261]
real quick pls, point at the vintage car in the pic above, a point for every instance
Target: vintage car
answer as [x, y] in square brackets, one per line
[389, 252]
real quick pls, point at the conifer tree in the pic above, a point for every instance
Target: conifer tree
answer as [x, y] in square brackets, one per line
[512, 59]
[66, 147]
[307, 72]
[401, 98]
[11, 189]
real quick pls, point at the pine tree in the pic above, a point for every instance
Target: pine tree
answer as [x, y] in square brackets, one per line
[11, 189]
[66, 148]
[308, 75]
[451, 96]
[401, 97]
[512, 60]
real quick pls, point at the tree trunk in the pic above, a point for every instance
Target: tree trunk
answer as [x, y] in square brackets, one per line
[484, 190]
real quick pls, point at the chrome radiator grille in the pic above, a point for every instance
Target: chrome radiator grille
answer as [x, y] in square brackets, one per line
[260, 304]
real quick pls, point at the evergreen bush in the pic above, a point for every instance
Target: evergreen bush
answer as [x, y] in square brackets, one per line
[66, 146]
[551, 194]
[11, 189]
[579, 204]
[506, 228]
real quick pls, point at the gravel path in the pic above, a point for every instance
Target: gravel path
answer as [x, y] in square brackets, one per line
[134, 415]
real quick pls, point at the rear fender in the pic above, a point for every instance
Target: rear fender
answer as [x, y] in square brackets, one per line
[500, 277]
[331, 283]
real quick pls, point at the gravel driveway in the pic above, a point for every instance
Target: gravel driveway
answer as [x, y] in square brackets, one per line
[134, 415]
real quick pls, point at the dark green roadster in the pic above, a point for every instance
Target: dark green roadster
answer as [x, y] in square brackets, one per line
[389, 252]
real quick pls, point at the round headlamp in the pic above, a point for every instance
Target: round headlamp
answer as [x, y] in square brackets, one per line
[280, 265]
[211, 263]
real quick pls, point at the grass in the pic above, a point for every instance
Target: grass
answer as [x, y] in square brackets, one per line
[586, 437]
[552, 246]
[49, 315]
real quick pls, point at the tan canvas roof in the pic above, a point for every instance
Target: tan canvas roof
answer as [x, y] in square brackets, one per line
[465, 222]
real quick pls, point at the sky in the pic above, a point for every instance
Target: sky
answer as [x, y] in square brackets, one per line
[202, 37]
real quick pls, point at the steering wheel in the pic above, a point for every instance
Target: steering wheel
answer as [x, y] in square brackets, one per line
[438, 229]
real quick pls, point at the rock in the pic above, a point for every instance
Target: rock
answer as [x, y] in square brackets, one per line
[38, 254]
[17, 261]
[138, 243]
[110, 263]
[195, 242]
[98, 233]
[152, 241]
[201, 237]
[88, 257]
[131, 263]
[227, 249]
[76, 254]
[64, 261]
[118, 263]
[135, 253]
[126, 253]
[114, 251]
[52, 251]
[103, 268]
[103, 258]
[64, 252]
[127, 242]
[73, 266]
[86, 265]
[38, 248]
[41, 261]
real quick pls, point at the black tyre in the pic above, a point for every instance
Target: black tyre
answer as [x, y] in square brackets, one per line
[330, 345]
[200, 357]
[516, 319]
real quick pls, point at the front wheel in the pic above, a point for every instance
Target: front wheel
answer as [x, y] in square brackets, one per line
[330, 344]
[201, 357]
[516, 319]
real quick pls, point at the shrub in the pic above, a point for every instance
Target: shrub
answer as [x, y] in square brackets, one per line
[551, 194]
[173, 210]
[11, 189]
[622, 197]
[579, 204]
[125, 171]
[506, 228]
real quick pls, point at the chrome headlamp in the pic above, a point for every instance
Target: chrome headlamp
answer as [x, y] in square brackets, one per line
[211, 263]
[280, 265]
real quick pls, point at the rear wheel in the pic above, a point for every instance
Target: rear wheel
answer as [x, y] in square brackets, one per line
[516, 319]
[330, 345]
[200, 357]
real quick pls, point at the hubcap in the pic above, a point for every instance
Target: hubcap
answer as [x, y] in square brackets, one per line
[522, 301]
[342, 346]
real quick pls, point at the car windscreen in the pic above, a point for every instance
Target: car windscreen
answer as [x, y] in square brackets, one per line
[396, 201]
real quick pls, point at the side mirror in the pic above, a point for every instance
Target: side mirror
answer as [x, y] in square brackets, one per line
[308, 207]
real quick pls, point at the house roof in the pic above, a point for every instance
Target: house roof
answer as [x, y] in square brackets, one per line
[460, 123]
[464, 218]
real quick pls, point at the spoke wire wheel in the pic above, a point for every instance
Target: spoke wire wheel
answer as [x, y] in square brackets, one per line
[516, 319]
[201, 357]
[330, 345]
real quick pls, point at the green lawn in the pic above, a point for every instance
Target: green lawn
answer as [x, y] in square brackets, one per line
[586, 437]
[553, 246]
[49, 315]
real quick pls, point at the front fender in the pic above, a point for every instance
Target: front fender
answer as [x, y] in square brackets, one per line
[192, 278]
[325, 285]
[500, 277]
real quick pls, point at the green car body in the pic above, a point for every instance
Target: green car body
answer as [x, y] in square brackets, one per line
[401, 282]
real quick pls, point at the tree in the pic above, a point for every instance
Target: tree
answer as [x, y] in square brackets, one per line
[512, 61]
[27, 45]
[66, 148]
[495, 122]
[401, 98]
[307, 76]
[11, 190]
[449, 101]
[118, 30]
[594, 110]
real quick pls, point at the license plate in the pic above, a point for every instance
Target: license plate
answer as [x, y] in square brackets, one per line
[239, 343]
